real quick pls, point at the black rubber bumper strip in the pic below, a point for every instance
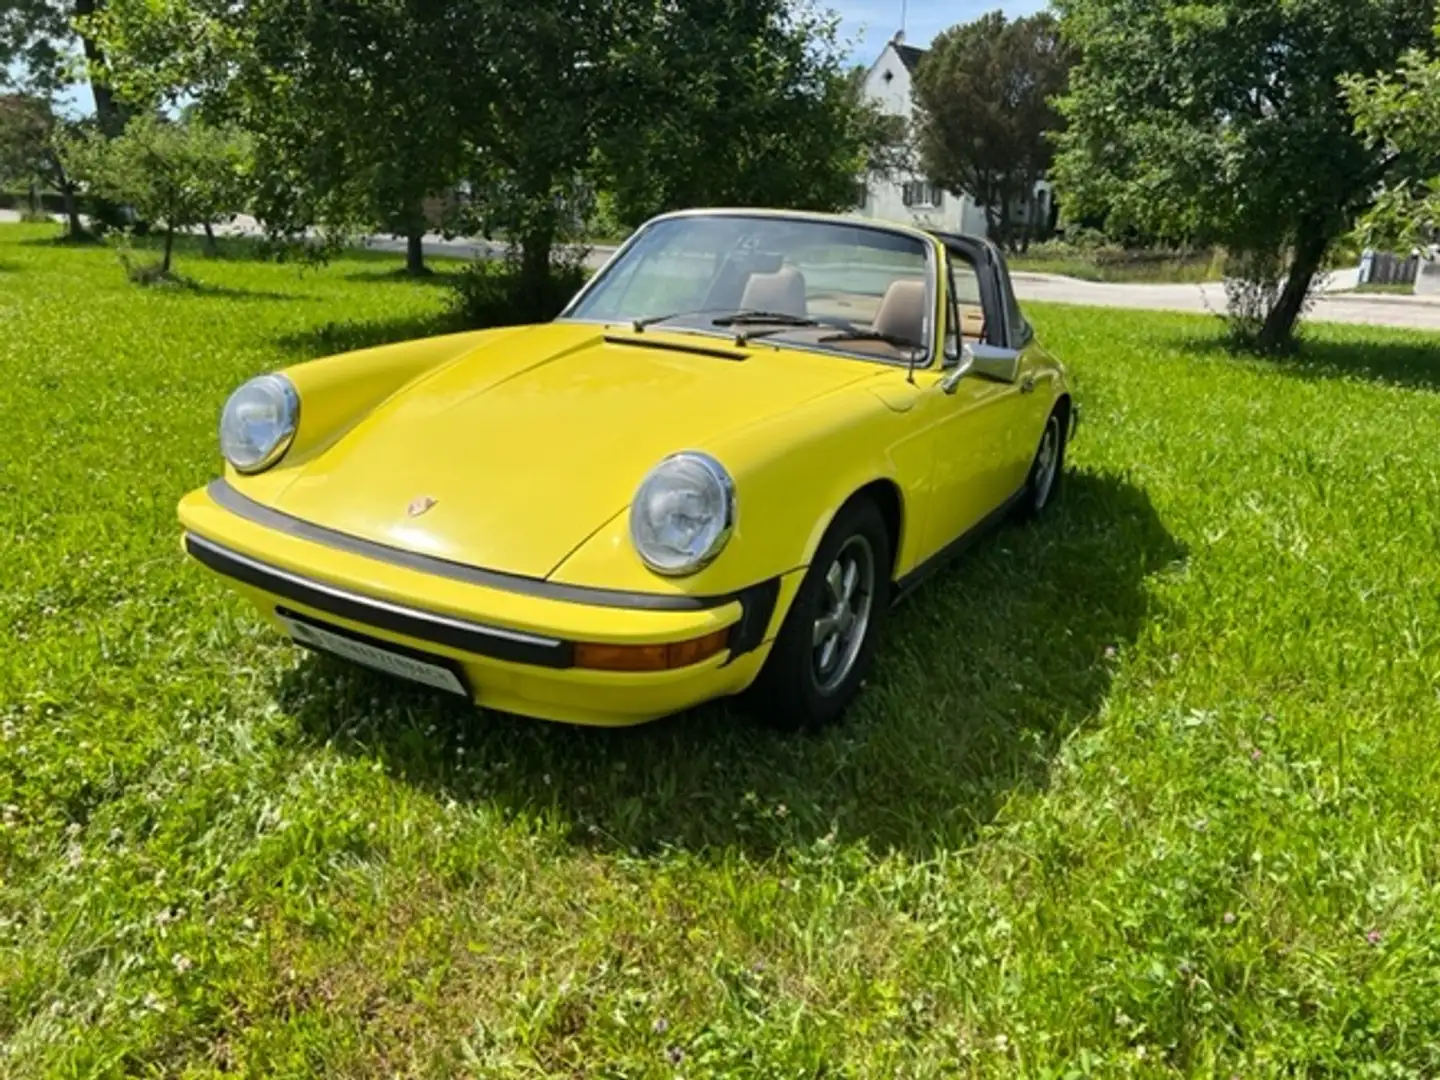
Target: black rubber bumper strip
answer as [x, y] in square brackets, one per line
[757, 605]
[421, 625]
[250, 510]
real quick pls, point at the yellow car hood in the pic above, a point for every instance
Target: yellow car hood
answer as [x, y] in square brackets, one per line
[511, 456]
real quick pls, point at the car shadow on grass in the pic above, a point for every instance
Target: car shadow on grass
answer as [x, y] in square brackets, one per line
[982, 677]
[1414, 364]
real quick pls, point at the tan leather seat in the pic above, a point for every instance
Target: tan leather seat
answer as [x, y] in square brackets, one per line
[902, 312]
[782, 291]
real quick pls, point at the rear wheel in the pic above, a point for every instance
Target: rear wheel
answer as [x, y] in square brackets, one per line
[829, 635]
[1043, 484]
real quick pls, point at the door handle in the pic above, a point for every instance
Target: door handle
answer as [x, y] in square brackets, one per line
[1027, 384]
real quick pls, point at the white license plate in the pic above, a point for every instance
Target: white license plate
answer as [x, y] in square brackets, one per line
[374, 656]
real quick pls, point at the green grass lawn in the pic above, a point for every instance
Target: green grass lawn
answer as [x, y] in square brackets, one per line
[1384, 290]
[1149, 788]
[1118, 267]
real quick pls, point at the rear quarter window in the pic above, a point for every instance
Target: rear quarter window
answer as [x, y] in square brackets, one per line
[1020, 329]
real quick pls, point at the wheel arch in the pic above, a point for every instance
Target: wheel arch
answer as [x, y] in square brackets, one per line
[888, 498]
[1065, 406]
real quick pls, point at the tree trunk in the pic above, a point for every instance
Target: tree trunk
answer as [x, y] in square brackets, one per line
[535, 289]
[108, 111]
[72, 211]
[415, 254]
[1278, 333]
[992, 223]
[169, 245]
[209, 241]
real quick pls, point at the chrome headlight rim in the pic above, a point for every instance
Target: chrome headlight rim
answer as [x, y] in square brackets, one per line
[291, 399]
[726, 484]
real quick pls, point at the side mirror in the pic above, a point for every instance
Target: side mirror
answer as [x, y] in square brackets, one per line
[988, 362]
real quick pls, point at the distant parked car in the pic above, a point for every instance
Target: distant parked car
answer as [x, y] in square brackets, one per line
[745, 437]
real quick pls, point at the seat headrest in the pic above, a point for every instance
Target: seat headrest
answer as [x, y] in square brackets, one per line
[782, 291]
[902, 312]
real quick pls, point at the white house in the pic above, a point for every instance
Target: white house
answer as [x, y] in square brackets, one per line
[914, 200]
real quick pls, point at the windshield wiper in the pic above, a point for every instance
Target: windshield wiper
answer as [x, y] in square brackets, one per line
[870, 335]
[639, 325]
[764, 318]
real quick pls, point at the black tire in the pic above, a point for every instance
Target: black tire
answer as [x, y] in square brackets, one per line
[792, 693]
[1040, 490]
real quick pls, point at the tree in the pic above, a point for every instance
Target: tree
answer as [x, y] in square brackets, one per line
[40, 44]
[41, 56]
[175, 175]
[1399, 113]
[359, 112]
[533, 136]
[749, 104]
[983, 110]
[1221, 122]
[31, 138]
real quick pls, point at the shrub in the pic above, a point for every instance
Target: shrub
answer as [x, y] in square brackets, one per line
[489, 293]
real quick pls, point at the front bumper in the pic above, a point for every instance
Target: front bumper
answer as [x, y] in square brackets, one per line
[515, 644]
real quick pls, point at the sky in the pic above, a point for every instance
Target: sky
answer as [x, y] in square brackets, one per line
[865, 25]
[868, 24]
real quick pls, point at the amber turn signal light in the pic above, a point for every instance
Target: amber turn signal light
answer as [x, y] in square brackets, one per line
[677, 654]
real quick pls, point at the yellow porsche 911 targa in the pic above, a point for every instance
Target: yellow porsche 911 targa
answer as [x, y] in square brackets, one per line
[712, 474]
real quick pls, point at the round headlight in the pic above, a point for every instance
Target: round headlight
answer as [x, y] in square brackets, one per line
[683, 514]
[258, 423]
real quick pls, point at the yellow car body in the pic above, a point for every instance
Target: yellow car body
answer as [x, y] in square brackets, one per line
[463, 499]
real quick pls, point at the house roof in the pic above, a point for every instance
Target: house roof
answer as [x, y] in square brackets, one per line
[909, 55]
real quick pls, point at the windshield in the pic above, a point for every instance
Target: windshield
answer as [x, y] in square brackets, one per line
[825, 285]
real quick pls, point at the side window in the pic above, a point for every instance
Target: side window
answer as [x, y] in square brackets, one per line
[952, 322]
[1020, 330]
[966, 315]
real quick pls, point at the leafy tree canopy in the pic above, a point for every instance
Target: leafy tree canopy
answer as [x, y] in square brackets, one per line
[176, 175]
[359, 111]
[43, 50]
[983, 109]
[31, 138]
[717, 102]
[1221, 121]
[1399, 112]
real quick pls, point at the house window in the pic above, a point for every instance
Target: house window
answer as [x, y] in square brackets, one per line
[862, 194]
[920, 195]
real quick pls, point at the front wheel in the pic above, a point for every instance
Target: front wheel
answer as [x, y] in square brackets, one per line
[829, 636]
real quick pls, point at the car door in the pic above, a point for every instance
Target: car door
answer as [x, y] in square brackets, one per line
[973, 423]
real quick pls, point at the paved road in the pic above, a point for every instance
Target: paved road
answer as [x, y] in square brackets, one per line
[1334, 306]
[1376, 310]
